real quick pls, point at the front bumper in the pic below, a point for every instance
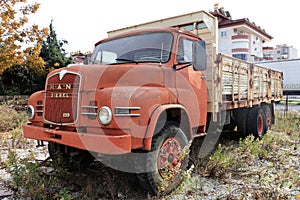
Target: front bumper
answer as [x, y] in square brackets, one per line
[105, 144]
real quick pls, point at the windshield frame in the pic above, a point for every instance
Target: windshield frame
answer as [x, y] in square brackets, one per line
[156, 53]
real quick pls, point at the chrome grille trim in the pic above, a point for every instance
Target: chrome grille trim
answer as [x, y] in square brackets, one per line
[78, 98]
[126, 109]
[89, 107]
[86, 113]
[127, 115]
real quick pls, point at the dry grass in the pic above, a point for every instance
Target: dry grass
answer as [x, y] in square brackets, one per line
[252, 168]
[245, 169]
[10, 119]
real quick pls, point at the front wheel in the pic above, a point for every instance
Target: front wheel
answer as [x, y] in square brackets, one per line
[166, 161]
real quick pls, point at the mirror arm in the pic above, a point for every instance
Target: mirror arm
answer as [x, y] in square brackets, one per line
[180, 68]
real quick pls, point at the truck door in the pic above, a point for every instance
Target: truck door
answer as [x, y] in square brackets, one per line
[190, 84]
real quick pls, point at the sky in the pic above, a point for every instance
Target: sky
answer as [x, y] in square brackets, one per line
[83, 23]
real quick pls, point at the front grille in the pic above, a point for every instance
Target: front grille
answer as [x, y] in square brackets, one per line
[62, 97]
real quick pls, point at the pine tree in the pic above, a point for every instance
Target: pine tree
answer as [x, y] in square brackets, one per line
[26, 79]
[53, 52]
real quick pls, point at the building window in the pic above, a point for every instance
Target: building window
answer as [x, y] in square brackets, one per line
[189, 27]
[223, 34]
[241, 56]
[201, 26]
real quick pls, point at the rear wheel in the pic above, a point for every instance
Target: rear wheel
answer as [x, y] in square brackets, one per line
[241, 121]
[166, 161]
[256, 122]
[269, 116]
[69, 157]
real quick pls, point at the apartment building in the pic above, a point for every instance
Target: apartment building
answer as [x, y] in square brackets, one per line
[240, 38]
[284, 52]
[280, 52]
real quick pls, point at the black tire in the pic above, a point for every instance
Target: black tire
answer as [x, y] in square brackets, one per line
[229, 127]
[241, 121]
[269, 116]
[165, 163]
[256, 122]
[71, 158]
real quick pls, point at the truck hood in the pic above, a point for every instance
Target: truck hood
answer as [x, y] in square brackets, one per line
[105, 76]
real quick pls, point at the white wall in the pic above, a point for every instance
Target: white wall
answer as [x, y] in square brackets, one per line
[256, 46]
[291, 72]
[225, 43]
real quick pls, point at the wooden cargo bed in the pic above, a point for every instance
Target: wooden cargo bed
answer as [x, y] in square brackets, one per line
[242, 84]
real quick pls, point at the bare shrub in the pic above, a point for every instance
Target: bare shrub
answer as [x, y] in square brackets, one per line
[10, 119]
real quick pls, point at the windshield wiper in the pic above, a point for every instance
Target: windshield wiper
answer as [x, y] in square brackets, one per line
[125, 60]
[186, 64]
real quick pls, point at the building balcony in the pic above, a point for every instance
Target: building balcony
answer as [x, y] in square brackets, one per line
[268, 48]
[240, 37]
[240, 50]
[268, 57]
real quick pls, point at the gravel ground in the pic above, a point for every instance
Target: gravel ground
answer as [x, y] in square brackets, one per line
[263, 178]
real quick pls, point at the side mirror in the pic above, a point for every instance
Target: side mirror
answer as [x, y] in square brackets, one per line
[199, 56]
[85, 60]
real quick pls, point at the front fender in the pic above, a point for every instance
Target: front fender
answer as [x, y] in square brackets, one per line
[144, 98]
[37, 100]
[154, 120]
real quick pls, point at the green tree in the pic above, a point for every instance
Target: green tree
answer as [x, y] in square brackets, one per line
[25, 79]
[53, 52]
[21, 80]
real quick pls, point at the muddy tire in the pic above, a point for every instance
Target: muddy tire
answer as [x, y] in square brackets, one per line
[71, 158]
[269, 116]
[166, 162]
[257, 122]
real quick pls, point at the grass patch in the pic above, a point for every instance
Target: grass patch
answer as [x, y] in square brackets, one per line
[10, 119]
[249, 169]
[261, 169]
[287, 122]
[290, 102]
[30, 181]
[11, 122]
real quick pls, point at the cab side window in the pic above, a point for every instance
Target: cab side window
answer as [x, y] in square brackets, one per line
[185, 50]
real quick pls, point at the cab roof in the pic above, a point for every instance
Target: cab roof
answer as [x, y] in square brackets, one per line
[149, 30]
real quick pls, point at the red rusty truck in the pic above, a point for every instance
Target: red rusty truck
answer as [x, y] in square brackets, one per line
[149, 92]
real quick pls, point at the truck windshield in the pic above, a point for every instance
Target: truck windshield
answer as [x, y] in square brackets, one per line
[148, 47]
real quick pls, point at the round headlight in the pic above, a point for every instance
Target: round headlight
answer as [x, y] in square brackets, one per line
[105, 115]
[30, 112]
